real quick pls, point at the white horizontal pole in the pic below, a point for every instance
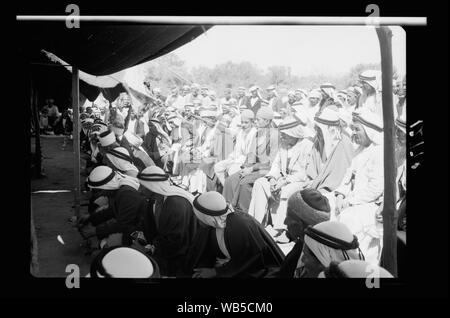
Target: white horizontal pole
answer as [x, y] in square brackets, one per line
[234, 20]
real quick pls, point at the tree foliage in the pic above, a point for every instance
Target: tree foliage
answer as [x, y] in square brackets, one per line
[169, 71]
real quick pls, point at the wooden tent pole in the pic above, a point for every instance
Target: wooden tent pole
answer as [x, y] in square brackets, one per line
[37, 140]
[389, 255]
[76, 138]
[34, 262]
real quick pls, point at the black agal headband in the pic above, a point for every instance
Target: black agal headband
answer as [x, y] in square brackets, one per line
[101, 182]
[327, 122]
[331, 241]
[120, 155]
[206, 211]
[358, 118]
[152, 176]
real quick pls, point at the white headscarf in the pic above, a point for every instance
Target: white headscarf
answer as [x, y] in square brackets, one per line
[119, 163]
[293, 127]
[359, 269]
[372, 125]
[304, 122]
[135, 141]
[371, 77]
[326, 254]
[328, 121]
[218, 222]
[114, 180]
[328, 89]
[157, 181]
[125, 262]
[212, 201]
[107, 138]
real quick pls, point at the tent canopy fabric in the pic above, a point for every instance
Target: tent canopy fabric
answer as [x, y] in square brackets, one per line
[100, 49]
[96, 49]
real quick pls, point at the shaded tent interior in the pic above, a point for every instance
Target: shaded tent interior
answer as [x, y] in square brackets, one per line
[96, 49]
[49, 79]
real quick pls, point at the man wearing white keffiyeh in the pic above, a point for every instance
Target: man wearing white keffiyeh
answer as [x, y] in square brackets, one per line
[119, 159]
[229, 244]
[175, 220]
[126, 206]
[361, 191]
[286, 176]
[140, 157]
[324, 243]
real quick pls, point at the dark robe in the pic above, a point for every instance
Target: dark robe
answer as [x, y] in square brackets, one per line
[150, 145]
[252, 250]
[84, 142]
[125, 214]
[58, 128]
[68, 125]
[255, 107]
[141, 160]
[243, 101]
[177, 225]
[289, 265]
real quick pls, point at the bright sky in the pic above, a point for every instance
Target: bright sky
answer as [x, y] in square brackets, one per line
[330, 50]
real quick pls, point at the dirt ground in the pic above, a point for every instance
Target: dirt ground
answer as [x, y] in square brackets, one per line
[53, 210]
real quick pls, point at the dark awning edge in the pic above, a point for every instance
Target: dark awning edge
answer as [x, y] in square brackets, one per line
[100, 49]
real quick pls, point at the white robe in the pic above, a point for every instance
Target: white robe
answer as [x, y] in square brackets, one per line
[131, 125]
[196, 180]
[367, 176]
[373, 103]
[295, 173]
[234, 161]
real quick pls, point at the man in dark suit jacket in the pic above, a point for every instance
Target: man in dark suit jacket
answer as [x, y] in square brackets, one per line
[241, 98]
[254, 102]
